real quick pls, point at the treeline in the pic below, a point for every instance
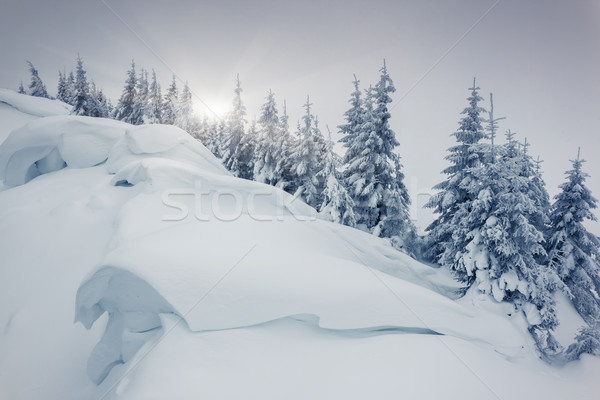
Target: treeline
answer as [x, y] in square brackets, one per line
[496, 228]
[498, 232]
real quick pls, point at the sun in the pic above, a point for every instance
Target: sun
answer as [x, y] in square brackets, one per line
[211, 108]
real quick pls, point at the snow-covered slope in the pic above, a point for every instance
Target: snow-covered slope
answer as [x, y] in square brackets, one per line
[17, 109]
[195, 284]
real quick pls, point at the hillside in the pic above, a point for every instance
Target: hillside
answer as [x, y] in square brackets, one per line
[195, 284]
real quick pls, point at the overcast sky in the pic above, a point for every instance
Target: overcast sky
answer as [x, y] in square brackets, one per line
[541, 59]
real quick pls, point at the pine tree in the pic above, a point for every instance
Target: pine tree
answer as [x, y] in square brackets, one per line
[373, 171]
[453, 193]
[337, 205]
[169, 115]
[63, 92]
[234, 131]
[98, 103]
[125, 107]
[183, 111]
[307, 157]
[354, 123]
[155, 109]
[573, 251]
[284, 147]
[246, 151]
[21, 89]
[36, 86]
[265, 165]
[71, 91]
[81, 100]
[140, 101]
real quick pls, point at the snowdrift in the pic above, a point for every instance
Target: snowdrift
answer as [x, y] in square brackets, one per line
[185, 274]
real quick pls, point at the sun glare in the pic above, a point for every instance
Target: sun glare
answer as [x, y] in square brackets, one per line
[211, 108]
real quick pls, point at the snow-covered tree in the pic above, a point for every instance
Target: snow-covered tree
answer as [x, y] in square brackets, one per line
[587, 341]
[573, 251]
[98, 103]
[265, 165]
[452, 193]
[124, 111]
[307, 157]
[36, 86]
[155, 103]
[337, 205]
[285, 146]
[184, 110]
[21, 89]
[169, 115]
[140, 100]
[354, 123]
[63, 92]
[81, 101]
[234, 131]
[246, 151]
[373, 170]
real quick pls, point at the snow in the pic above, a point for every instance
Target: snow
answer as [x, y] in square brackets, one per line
[273, 303]
[48, 144]
[35, 106]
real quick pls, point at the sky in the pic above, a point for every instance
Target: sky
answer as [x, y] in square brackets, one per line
[540, 58]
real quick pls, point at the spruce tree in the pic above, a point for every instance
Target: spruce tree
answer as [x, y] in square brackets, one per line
[246, 151]
[125, 107]
[36, 86]
[184, 110]
[169, 115]
[81, 100]
[101, 104]
[373, 171]
[354, 123]
[573, 251]
[63, 92]
[337, 205]
[140, 101]
[265, 164]
[308, 156]
[154, 111]
[452, 193]
[284, 147]
[21, 89]
[234, 131]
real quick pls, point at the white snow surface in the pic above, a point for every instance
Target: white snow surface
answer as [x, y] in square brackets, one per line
[195, 284]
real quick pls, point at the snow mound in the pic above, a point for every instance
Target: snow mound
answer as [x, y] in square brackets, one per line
[165, 142]
[36, 106]
[133, 307]
[52, 143]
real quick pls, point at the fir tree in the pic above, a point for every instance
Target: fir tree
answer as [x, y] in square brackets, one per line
[169, 115]
[337, 205]
[99, 106]
[63, 92]
[373, 171]
[140, 101]
[81, 100]
[125, 107]
[354, 123]
[265, 165]
[246, 151]
[453, 193]
[234, 128]
[307, 157]
[21, 89]
[284, 147]
[573, 251]
[183, 112]
[36, 86]
[155, 107]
